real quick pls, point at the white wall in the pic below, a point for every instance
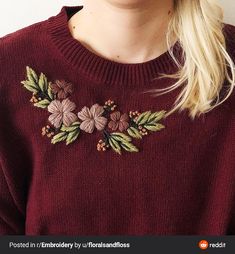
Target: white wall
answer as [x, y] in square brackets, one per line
[229, 6]
[16, 14]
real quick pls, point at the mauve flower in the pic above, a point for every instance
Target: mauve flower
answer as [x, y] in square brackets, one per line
[61, 88]
[118, 121]
[62, 112]
[92, 118]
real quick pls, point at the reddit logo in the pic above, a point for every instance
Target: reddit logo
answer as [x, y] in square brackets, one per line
[203, 244]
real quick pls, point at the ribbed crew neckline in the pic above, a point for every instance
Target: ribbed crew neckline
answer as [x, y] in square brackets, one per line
[102, 69]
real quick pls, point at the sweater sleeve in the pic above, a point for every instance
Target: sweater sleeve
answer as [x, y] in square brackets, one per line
[231, 225]
[11, 217]
[13, 160]
[230, 42]
[12, 178]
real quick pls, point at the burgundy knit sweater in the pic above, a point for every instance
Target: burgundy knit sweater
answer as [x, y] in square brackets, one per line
[85, 151]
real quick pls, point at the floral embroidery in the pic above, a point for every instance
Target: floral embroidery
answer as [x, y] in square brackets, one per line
[118, 129]
[118, 121]
[62, 89]
[62, 112]
[92, 118]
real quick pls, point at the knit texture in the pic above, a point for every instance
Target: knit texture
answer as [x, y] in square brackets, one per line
[181, 180]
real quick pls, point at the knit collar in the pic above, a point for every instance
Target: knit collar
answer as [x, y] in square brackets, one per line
[102, 69]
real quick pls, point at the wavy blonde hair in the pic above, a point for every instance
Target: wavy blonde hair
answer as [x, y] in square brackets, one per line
[198, 26]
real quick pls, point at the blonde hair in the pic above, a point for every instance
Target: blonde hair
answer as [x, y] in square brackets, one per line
[198, 26]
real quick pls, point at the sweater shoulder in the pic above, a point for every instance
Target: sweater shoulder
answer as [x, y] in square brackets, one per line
[229, 33]
[23, 36]
[20, 48]
[229, 30]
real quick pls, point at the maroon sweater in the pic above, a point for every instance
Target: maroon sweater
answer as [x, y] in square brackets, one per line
[84, 151]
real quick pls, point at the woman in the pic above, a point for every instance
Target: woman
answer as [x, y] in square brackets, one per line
[113, 157]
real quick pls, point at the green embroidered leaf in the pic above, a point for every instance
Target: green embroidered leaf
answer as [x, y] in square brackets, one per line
[143, 118]
[30, 86]
[49, 92]
[133, 132]
[72, 136]
[38, 86]
[43, 83]
[150, 120]
[73, 127]
[42, 104]
[154, 127]
[129, 147]
[70, 133]
[59, 137]
[118, 140]
[115, 146]
[120, 137]
[77, 123]
[156, 116]
[31, 75]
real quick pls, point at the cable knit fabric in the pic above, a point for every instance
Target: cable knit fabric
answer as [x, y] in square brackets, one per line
[178, 180]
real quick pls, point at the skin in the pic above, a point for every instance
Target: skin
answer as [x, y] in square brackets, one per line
[125, 31]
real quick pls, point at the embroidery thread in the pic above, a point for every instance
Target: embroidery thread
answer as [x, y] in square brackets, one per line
[64, 124]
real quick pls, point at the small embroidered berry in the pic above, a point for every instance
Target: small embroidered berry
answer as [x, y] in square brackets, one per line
[35, 98]
[48, 131]
[102, 146]
[134, 114]
[109, 105]
[143, 131]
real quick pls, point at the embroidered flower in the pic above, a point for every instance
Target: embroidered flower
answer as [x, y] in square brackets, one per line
[62, 112]
[118, 121]
[92, 118]
[62, 89]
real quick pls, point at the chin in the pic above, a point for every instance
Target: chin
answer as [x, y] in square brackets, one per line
[128, 3]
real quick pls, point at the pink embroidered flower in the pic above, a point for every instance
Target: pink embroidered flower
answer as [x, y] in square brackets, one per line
[92, 118]
[62, 112]
[118, 121]
[62, 89]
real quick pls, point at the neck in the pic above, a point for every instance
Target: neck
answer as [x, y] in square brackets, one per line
[127, 33]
